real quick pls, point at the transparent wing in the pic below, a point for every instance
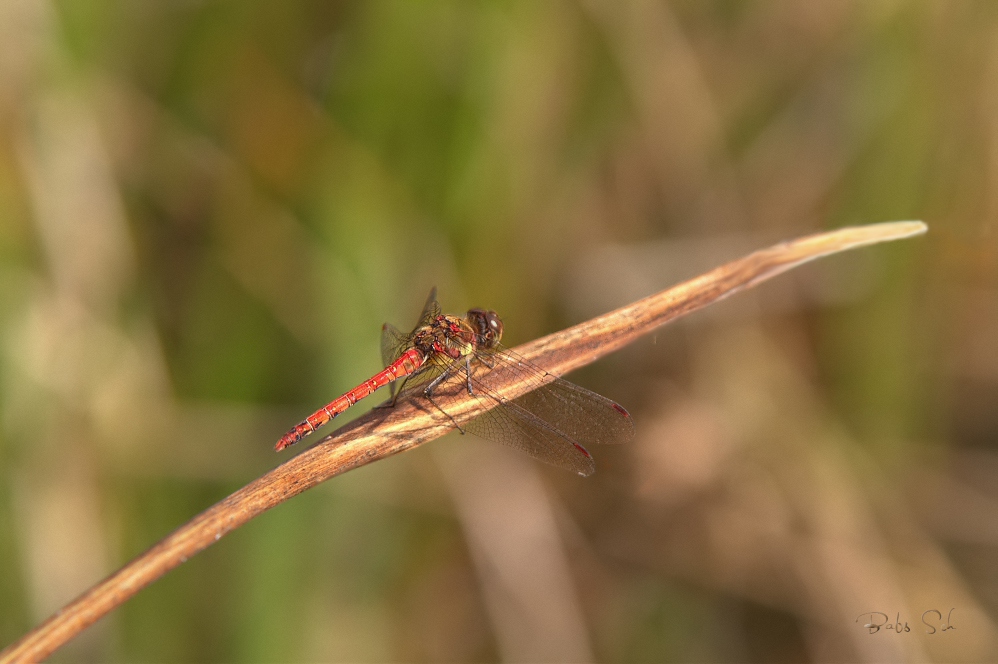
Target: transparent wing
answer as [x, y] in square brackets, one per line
[552, 423]
[515, 426]
[394, 342]
[583, 415]
[430, 310]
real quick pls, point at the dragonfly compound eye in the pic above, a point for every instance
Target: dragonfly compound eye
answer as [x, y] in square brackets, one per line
[487, 325]
[494, 324]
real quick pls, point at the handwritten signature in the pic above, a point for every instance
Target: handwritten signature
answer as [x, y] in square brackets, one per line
[879, 620]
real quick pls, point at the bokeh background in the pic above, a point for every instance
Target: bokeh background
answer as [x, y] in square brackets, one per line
[208, 209]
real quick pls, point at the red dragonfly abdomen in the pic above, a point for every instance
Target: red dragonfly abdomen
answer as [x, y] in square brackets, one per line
[407, 363]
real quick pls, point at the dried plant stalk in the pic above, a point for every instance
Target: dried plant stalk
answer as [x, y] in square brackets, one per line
[384, 432]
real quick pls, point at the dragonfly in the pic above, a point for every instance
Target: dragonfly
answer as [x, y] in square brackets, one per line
[446, 356]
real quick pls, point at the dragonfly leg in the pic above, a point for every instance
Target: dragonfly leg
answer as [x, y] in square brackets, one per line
[428, 393]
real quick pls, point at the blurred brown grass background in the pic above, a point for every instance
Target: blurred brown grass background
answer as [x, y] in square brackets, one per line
[207, 209]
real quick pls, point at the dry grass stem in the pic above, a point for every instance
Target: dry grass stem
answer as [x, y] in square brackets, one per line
[384, 432]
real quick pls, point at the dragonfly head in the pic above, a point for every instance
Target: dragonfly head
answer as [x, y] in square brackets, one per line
[487, 325]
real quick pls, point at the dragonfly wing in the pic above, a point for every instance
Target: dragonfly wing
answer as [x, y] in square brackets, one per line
[584, 416]
[430, 309]
[554, 422]
[393, 343]
[512, 425]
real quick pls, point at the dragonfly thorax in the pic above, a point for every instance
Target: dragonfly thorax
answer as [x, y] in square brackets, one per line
[448, 335]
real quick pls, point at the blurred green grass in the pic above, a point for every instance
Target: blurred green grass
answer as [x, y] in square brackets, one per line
[207, 210]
